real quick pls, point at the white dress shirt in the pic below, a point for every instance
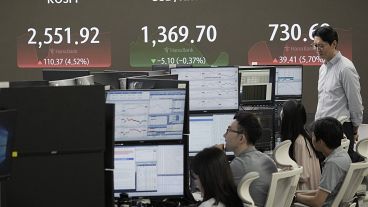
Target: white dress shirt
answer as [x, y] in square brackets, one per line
[339, 90]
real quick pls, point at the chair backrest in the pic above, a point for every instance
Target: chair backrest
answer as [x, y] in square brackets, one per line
[363, 131]
[349, 187]
[283, 187]
[362, 148]
[281, 155]
[345, 144]
[243, 188]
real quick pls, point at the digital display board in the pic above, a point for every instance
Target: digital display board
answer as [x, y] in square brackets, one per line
[63, 34]
[131, 34]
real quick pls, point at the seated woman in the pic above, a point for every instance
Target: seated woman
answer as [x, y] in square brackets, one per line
[293, 119]
[213, 177]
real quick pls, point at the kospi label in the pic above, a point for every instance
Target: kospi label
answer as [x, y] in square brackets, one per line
[62, 1]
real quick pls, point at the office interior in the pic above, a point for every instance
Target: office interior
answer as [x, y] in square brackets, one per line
[66, 150]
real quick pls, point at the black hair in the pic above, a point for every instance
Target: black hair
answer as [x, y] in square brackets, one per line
[293, 122]
[327, 34]
[249, 125]
[329, 130]
[213, 170]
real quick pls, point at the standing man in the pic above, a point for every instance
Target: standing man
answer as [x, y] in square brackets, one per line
[240, 138]
[338, 86]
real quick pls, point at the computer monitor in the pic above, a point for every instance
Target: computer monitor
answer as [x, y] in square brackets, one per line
[64, 82]
[211, 88]
[155, 83]
[28, 83]
[143, 115]
[150, 83]
[112, 78]
[57, 74]
[207, 130]
[154, 170]
[266, 117]
[289, 82]
[167, 67]
[164, 76]
[257, 85]
[7, 133]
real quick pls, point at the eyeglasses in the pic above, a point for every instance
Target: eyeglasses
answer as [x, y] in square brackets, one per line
[232, 130]
[319, 46]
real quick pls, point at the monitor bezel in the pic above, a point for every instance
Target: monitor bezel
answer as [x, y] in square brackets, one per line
[193, 153]
[112, 78]
[162, 77]
[184, 143]
[200, 111]
[286, 97]
[272, 70]
[148, 90]
[63, 74]
[177, 82]
[8, 119]
[28, 83]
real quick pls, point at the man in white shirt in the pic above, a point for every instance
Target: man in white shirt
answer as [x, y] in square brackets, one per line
[338, 86]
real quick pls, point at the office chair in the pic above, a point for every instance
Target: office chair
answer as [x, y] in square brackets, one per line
[243, 188]
[281, 155]
[363, 131]
[362, 150]
[283, 187]
[353, 179]
[285, 181]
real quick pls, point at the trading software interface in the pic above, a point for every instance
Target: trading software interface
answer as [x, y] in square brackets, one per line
[148, 115]
[154, 170]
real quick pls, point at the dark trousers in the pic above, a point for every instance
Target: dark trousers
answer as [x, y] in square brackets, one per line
[349, 133]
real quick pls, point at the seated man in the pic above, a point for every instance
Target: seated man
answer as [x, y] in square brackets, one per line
[326, 137]
[240, 138]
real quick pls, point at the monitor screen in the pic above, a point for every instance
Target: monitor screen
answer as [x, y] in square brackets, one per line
[57, 74]
[211, 89]
[207, 130]
[7, 130]
[256, 85]
[149, 170]
[148, 83]
[148, 114]
[289, 81]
